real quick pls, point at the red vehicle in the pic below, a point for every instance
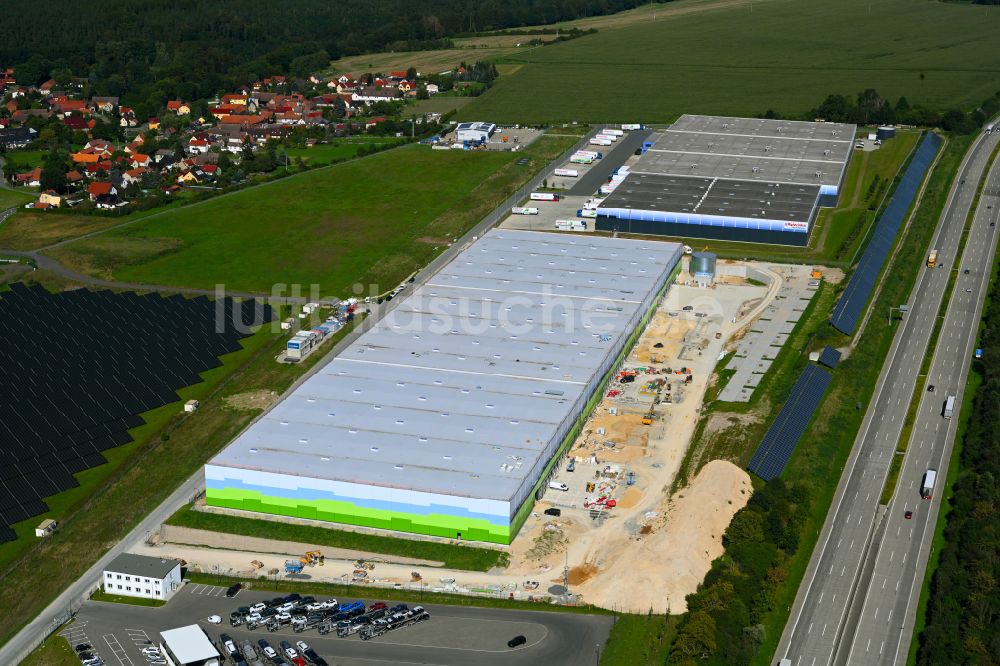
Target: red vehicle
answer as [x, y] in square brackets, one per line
[298, 661]
[908, 515]
[378, 605]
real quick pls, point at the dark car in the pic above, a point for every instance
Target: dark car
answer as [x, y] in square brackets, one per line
[966, 271]
[83, 647]
[517, 640]
[234, 590]
[552, 511]
[688, 308]
[293, 597]
[908, 515]
[930, 388]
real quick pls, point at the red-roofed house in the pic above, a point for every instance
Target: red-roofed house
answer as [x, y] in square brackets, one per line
[95, 190]
[31, 178]
[76, 123]
[178, 107]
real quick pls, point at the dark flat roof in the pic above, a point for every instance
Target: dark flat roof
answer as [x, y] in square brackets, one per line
[715, 196]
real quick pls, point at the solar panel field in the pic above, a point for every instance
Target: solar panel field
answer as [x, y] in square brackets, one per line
[745, 58]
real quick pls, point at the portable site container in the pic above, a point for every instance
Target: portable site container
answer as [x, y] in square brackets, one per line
[586, 212]
[572, 173]
[524, 210]
[612, 132]
[544, 196]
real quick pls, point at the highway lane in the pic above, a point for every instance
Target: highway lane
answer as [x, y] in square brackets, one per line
[888, 609]
[67, 603]
[819, 616]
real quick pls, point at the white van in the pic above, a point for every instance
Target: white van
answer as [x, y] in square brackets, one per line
[558, 485]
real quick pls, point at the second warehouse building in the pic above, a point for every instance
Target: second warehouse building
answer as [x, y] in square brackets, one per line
[741, 179]
[444, 419]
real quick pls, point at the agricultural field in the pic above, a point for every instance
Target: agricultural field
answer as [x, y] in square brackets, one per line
[373, 221]
[779, 54]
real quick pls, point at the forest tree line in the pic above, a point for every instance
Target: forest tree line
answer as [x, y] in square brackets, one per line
[190, 49]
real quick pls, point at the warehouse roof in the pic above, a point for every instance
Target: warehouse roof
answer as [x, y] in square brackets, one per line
[778, 151]
[460, 389]
[714, 196]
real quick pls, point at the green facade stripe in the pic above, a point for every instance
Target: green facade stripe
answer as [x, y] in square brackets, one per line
[453, 527]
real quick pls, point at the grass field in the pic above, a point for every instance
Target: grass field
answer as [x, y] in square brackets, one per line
[468, 558]
[372, 221]
[55, 651]
[746, 58]
[11, 198]
[101, 595]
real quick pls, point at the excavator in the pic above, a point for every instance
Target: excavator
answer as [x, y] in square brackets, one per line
[648, 417]
[312, 558]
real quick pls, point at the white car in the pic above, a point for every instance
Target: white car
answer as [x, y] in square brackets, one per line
[292, 654]
[213, 619]
[330, 604]
[302, 646]
[230, 646]
[319, 605]
[283, 617]
[285, 608]
[269, 651]
[258, 608]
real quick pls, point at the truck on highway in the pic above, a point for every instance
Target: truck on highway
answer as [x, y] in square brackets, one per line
[524, 210]
[932, 259]
[544, 196]
[927, 485]
[949, 407]
[989, 129]
[571, 173]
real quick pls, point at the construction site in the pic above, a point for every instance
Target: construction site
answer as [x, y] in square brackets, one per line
[607, 507]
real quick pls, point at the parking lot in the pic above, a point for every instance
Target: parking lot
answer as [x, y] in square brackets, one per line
[453, 635]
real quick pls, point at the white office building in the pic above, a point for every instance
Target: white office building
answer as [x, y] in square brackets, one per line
[475, 132]
[141, 576]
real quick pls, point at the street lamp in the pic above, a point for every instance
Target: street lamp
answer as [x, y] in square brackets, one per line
[901, 309]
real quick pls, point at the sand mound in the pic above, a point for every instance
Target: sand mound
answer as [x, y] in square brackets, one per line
[659, 569]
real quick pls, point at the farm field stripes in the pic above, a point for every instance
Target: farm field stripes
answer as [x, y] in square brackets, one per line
[775, 54]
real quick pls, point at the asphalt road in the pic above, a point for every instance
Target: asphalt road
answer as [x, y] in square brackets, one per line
[885, 606]
[823, 623]
[61, 608]
[454, 636]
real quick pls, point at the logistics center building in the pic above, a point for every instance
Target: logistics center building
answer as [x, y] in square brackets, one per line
[742, 179]
[446, 416]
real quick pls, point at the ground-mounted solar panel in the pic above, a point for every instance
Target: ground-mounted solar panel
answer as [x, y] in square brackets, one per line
[88, 364]
[829, 357]
[779, 442]
[859, 288]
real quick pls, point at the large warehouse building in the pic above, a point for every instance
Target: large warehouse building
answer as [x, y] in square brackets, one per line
[445, 417]
[742, 179]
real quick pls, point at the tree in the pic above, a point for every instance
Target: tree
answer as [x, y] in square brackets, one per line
[422, 93]
[697, 637]
[53, 171]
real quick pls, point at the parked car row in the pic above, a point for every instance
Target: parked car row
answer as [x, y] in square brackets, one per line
[85, 653]
[300, 654]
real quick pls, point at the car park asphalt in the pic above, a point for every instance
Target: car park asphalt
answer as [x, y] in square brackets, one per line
[454, 635]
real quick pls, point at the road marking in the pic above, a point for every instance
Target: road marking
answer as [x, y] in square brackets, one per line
[810, 629]
[117, 650]
[843, 569]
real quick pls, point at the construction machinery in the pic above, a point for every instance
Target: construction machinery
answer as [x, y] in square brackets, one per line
[312, 558]
[293, 566]
[648, 417]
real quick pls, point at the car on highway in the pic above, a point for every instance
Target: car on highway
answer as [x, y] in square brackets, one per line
[968, 290]
[908, 515]
[213, 619]
[516, 641]
[234, 590]
[966, 271]
[930, 388]
[687, 308]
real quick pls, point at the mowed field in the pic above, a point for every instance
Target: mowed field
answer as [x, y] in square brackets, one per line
[372, 221]
[745, 58]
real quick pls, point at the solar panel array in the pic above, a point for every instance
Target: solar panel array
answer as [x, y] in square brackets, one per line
[859, 288]
[82, 365]
[776, 448]
[829, 357]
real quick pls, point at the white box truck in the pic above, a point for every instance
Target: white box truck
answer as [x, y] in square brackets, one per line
[927, 485]
[544, 196]
[586, 212]
[571, 173]
[596, 141]
[524, 210]
[949, 407]
[628, 127]
[571, 225]
[612, 132]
